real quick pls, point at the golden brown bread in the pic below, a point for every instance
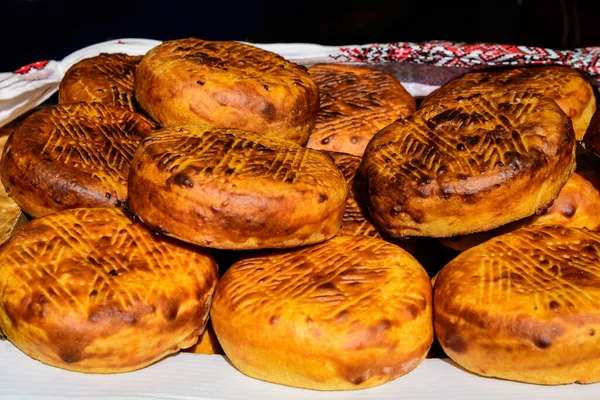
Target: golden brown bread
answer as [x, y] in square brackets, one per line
[89, 290]
[592, 135]
[567, 86]
[577, 206]
[9, 210]
[524, 306]
[356, 220]
[229, 84]
[106, 79]
[208, 343]
[350, 313]
[468, 165]
[355, 103]
[70, 156]
[231, 189]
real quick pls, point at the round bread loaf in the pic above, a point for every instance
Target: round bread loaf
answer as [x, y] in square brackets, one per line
[577, 206]
[350, 313]
[71, 156]
[355, 103]
[106, 79]
[230, 189]
[468, 165]
[89, 290]
[592, 136]
[567, 86]
[229, 84]
[524, 306]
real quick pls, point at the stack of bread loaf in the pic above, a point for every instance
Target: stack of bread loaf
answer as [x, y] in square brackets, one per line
[315, 182]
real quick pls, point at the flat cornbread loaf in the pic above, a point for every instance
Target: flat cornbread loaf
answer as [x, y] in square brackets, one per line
[232, 189]
[89, 290]
[468, 165]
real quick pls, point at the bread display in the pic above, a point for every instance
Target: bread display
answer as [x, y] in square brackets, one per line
[228, 84]
[577, 206]
[89, 290]
[355, 103]
[331, 206]
[350, 313]
[468, 165]
[71, 156]
[524, 306]
[567, 86]
[232, 189]
[106, 79]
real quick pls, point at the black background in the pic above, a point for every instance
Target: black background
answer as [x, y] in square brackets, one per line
[33, 30]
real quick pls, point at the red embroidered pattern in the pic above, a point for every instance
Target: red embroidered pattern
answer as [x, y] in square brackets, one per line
[36, 65]
[451, 54]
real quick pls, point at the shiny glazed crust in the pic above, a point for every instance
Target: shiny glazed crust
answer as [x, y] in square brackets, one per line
[106, 79]
[350, 313]
[71, 156]
[577, 206]
[356, 220]
[468, 165]
[231, 189]
[88, 290]
[567, 86]
[355, 103]
[524, 306]
[229, 84]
